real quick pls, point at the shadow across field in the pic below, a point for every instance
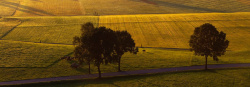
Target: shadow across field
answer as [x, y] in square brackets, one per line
[59, 60]
[24, 8]
[181, 6]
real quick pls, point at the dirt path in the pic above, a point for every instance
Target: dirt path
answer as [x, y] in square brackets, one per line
[125, 73]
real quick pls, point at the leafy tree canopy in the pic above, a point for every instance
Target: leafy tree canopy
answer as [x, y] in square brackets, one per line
[207, 41]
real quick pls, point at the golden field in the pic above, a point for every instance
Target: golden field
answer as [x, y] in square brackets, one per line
[174, 30]
[163, 30]
[118, 7]
[35, 34]
[155, 30]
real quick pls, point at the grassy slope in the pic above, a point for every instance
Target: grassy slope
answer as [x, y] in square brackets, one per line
[43, 29]
[169, 31]
[152, 58]
[7, 24]
[174, 31]
[49, 7]
[210, 78]
[16, 54]
[123, 7]
[8, 9]
[118, 7]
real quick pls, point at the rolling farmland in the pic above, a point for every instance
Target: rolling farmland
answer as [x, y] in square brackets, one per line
[160, 31]
[31, 45]
[43, 30]
[41, 7]
[27, 55]
[124, 7]
[174, 31]
[7, 25]
[118, 7]
[8, 10]
[163, 31]
[167, 31]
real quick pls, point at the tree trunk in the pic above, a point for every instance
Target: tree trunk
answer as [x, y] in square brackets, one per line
[119, 64]
[99, 71]
[89, 68]
[206, 63]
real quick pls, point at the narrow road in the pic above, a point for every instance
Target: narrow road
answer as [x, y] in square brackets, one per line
[125, 73]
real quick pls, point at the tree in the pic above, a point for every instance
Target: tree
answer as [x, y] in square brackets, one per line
[207, 41]
[124, 43]
[81, 44]
[101, 46]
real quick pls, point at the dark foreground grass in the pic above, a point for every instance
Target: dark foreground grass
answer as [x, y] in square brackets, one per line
[46, 65]
[212, 78]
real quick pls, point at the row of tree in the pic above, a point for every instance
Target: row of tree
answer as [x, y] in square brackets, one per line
[102, 46]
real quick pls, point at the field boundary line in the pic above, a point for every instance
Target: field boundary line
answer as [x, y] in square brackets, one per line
[177, 21]
[72, 45]
[181, 14]
[10, 30]
[36, 42]
[125, 73]
[23, 26]
[16, 9]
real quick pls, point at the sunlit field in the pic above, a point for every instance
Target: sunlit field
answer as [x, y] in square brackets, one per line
[174, 31]
[118, 7]
[167, 31]
[35, 34]
[33, 48]
[123, 7]
[41, 7]
[49, 29]
[7, 25]
[8, 9]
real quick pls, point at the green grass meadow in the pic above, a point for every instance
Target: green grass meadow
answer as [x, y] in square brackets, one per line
[16, 54]
[33, 48]
[47, 64]
[210, 78]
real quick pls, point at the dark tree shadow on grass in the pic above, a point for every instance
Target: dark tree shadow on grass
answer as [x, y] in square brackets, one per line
[59, 60]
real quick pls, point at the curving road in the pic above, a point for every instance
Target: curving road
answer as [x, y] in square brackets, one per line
[125, 73]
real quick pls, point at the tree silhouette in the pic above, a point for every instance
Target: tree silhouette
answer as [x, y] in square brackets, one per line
[101, 46]
[124, 43]
[81, 44]
[207, 41]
